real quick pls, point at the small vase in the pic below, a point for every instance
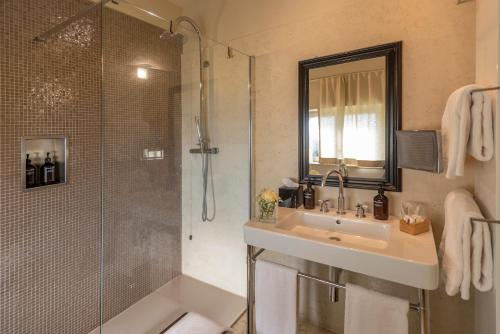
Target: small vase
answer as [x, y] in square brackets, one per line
[268, 212]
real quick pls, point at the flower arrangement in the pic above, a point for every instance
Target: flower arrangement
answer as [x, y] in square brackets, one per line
[267, 201]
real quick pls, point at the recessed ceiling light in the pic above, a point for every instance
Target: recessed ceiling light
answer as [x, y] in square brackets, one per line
[142, 73]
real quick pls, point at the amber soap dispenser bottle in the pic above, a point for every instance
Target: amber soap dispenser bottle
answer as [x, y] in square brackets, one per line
[381, 205]
[309, 198]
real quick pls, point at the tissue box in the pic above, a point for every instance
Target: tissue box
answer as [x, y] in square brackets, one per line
[415, 229]
[291, 197]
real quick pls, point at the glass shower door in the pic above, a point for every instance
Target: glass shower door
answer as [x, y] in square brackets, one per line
[141, 160]
[213, 251]
[153, 234]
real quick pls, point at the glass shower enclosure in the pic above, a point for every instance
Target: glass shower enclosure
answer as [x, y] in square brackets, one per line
[157, 176]
[176, 161]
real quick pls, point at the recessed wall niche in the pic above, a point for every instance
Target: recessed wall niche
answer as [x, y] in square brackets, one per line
[43, 161]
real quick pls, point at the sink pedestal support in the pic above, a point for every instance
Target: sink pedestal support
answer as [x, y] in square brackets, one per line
[333, 292]
[250, 290]
[422, 307]
[424, 311]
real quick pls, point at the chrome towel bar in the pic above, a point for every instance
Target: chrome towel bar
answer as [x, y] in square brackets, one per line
[482, 220]
[415, 307]
[484, 89]
[422, 307]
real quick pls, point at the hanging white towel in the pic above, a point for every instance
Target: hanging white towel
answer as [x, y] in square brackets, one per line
[467, 127]
[481, 144]
[465, 248]
[193, 323]
[371, 312]
[275, 298]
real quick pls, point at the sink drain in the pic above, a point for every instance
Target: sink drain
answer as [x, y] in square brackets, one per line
[335, 238]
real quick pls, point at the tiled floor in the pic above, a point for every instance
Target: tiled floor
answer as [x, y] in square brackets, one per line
[241, 328]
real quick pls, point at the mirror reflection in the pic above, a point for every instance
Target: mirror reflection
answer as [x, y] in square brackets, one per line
[347, 118]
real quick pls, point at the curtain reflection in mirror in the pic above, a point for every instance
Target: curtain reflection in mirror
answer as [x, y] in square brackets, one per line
[347, 119]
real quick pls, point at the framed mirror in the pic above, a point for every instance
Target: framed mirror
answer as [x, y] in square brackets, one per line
[349, 111]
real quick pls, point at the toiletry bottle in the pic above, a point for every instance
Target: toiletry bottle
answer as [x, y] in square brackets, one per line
[309, 198]
[381, 205]
[48, 171]
[30, 173]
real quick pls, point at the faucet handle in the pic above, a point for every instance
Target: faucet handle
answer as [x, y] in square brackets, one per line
[324, 205]
[360, 210]
[323, 202]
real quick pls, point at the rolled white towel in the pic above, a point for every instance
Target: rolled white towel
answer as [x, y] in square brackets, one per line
[465, 247]
[482, 257]
[467, 127]
[481, 140]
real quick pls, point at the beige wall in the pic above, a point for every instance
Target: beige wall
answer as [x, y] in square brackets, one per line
[438, 57]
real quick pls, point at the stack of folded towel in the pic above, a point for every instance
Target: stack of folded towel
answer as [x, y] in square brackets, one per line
[467, 127]
[465, 248]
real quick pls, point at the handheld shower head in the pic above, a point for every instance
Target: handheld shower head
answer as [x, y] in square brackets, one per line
[201, 140]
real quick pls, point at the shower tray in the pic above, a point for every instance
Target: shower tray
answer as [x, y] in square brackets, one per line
[155, 312]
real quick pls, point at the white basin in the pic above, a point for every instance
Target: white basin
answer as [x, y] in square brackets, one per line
[334, 229]
[363, 245]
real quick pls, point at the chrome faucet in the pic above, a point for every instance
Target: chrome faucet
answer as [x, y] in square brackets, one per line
[341, 201]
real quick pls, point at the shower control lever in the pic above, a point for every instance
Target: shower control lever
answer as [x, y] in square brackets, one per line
[212, 150]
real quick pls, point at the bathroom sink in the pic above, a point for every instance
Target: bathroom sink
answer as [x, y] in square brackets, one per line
[330, 228]
[363, 245]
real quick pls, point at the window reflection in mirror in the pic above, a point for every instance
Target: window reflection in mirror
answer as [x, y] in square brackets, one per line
[347, 118]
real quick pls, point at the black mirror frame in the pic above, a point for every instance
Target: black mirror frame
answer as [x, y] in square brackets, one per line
[393, 55]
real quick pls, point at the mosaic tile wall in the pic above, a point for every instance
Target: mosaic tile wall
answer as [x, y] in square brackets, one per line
[50, 237]
[142, 198]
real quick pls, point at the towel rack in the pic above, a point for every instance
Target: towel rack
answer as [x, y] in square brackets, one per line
[421, 307]
[482, 220]
[484, 89]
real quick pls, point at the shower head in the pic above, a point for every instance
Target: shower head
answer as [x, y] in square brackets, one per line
[174, 27]
[168, 33]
